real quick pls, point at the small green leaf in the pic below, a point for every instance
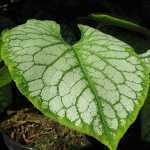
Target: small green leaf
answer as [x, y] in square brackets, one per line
[5, 97]
[4, 73]
[146, 58]
[4, 76]
[0, 49]
[96, 86]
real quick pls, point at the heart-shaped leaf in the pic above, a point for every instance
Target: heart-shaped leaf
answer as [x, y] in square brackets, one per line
[96, 86]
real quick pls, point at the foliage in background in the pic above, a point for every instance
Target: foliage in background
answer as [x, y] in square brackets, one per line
[5, 97]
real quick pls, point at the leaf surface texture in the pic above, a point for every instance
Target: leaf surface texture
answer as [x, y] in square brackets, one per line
[97, 86]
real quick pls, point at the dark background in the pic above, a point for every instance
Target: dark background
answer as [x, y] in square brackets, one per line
[14, 12]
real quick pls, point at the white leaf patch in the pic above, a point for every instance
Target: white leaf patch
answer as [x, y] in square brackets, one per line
[96, 86]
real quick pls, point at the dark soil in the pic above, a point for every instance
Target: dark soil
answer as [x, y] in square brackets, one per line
[29, 127]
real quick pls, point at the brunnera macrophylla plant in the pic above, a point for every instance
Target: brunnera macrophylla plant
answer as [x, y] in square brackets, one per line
[96, 86]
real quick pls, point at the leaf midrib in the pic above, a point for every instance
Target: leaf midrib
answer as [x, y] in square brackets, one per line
[94, 91]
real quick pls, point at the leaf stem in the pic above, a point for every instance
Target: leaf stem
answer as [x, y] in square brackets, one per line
[120, 23]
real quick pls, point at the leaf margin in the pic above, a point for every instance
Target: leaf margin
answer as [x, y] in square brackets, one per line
[36, 101]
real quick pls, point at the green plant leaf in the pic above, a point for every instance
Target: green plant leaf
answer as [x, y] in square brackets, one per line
[146, 58]
[4, 76]
[120, 23]
[5, 97]
[96, 86]
[4, 73]
[0, 50]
